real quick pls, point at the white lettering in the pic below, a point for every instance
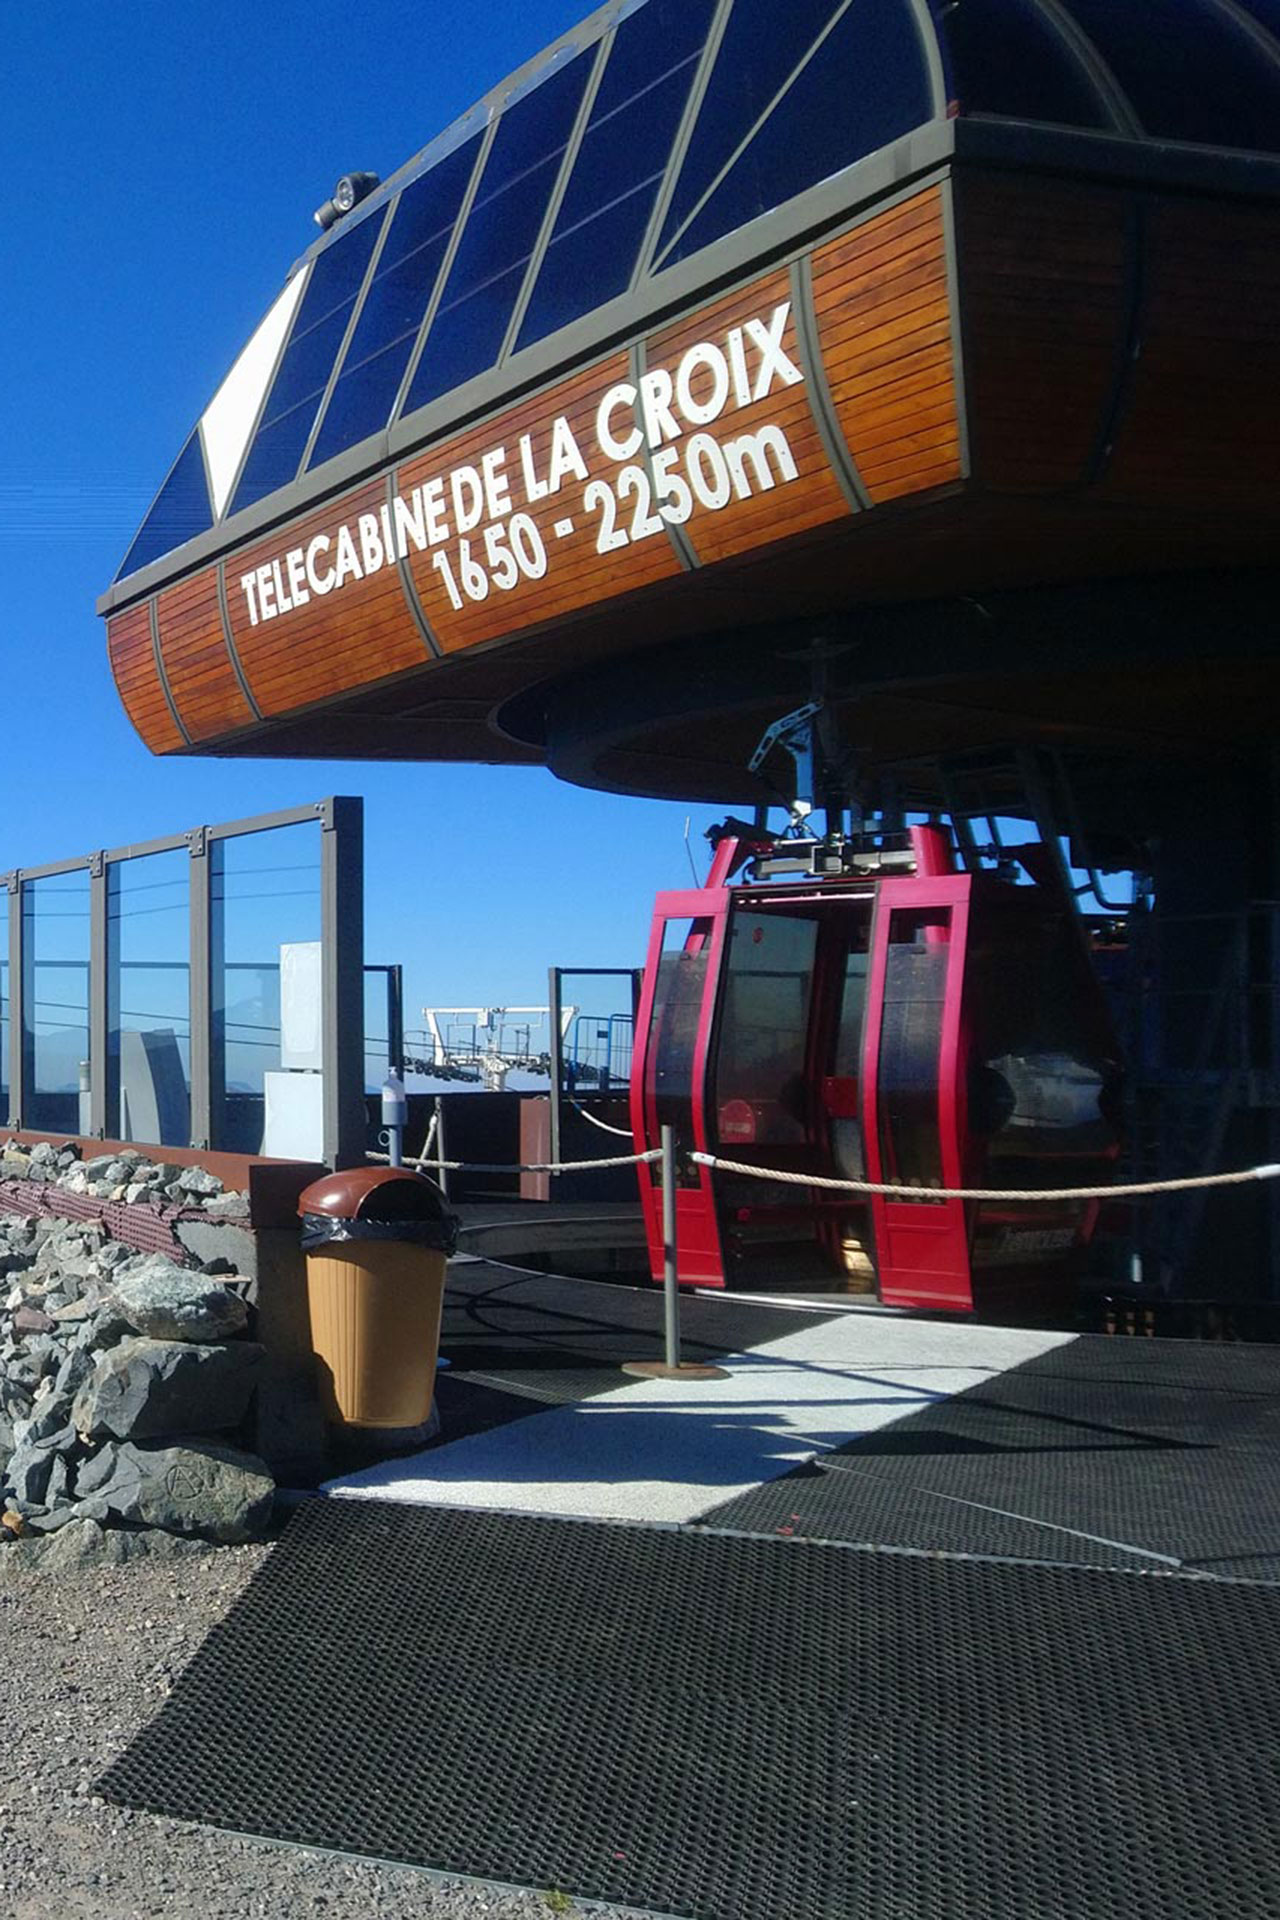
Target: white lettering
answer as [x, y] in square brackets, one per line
[566, 455]
[613, 448]
[756, 447]
[738, 363]
[321, 583]
[293, 563]
[370, 542]
[708, 471]
[772, 358]
[388, 544]
[267, 593]
[534, 489]
[437, 519]
[248, 582]
[655, 402]
[497, 490]
[700, 413]
[285, 603]
[409, 523]
[466, 481]
[348, 567]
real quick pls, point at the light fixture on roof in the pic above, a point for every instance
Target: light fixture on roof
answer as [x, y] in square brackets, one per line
[349, 192]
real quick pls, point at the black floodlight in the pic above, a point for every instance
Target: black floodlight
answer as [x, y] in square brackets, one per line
[349, 192]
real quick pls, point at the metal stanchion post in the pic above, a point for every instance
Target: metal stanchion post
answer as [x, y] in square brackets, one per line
[672, 1367]
[670, 1277]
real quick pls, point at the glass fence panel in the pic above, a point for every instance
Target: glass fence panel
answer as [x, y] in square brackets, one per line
[377, 1027]
[265, 927]
[55, 1002]
[4, 1006]
[149, 999]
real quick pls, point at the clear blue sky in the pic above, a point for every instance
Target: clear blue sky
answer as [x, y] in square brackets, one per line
[161, 165]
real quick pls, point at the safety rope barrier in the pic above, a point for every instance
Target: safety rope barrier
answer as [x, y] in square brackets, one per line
[623, 1133]
[1131, 1190]
[532, 1166]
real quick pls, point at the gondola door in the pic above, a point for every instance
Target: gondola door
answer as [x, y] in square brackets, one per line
[913, 1082]
[669, 1071]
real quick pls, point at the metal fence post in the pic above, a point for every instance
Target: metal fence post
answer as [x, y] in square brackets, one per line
[17, 1006]
[204, 1096]
[100, 1092]
[342, 933]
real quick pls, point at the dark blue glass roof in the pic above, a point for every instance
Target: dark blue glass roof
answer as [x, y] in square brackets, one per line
[655, 130]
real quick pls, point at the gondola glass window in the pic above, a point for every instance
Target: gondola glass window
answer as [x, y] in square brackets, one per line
[55, 999]
[760, 1079]
[910, 1065]
[149, 998]
[798, 93]
[675, 1020]
[264, 935]
[502, 228]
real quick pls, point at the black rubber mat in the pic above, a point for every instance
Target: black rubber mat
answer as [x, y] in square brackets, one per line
[1102, 1452]
[735, 1729]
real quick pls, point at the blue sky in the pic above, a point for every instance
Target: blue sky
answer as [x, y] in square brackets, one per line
[162, 163]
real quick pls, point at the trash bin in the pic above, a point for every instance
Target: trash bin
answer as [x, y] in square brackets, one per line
[376, 1241]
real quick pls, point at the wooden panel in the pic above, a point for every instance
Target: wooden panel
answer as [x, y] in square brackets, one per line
[317, 609]
[1045, 300]
[769, 465]
[1202, 420]
[202, 680]
[535, 483]
[883, 312]
[133, 664]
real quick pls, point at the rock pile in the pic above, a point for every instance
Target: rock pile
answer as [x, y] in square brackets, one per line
[126, 1376]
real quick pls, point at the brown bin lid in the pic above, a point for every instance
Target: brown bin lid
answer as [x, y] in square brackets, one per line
[374, 1193]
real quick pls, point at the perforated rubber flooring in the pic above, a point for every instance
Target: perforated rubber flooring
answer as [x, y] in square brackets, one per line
[736, 1729]
[1103, 1452]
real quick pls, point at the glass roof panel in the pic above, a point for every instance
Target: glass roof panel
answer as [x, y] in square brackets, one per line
[421, 225]
[180, 511]
[866, 84]
[1009, 61]
[1191, 71]
[502, 227]
[620, 165]
[762, 46]
[337, 274]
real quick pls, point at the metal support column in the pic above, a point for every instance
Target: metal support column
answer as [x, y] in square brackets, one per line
[205, 1097]
[100, 1120]
[17, 1003]
[557, 1059]
[342, 934]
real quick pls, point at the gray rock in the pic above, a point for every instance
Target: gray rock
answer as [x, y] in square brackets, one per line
[198, 1181]
[192, 1488]
[30, 1469]
[143, 1389]
[168, 1302]
[227, 1206]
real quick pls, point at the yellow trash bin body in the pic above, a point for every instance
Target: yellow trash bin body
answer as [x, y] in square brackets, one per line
[377, 1241]
[375, 1329]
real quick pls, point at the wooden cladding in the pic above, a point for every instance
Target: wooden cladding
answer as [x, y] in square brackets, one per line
[706, 443]
[988, 336]
[883, 310]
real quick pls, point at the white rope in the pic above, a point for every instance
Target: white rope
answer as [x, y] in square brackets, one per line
[1269, 1171]
[623, 1133]
[535, 1166]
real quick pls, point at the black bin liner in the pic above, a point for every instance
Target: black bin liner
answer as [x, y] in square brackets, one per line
[377, 1203]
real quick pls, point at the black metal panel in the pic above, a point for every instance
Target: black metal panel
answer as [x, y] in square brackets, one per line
[735, 1729]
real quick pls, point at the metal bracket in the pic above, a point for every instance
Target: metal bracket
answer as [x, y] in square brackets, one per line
[198, 842]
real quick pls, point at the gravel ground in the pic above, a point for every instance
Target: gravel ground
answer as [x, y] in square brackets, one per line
[89, 1655]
